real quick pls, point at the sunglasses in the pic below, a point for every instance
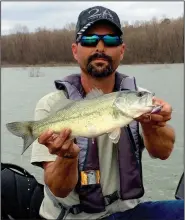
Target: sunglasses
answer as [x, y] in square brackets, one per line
[92, 40]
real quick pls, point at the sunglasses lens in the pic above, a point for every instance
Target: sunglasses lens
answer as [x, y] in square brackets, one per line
[112, 40]
[89, 40]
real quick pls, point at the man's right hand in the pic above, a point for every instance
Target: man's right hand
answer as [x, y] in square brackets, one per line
[59, 144]
[61, 175]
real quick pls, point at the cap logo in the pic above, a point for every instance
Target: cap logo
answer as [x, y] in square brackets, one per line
[95, 14]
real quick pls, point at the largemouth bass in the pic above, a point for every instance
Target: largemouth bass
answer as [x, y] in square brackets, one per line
[90, 117]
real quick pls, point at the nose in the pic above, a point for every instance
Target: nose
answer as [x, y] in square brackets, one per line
[100, 47]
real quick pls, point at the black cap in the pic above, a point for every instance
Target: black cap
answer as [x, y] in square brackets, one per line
[98, 13]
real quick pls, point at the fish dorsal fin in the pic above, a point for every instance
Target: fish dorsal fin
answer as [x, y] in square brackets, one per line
[94, 93]
[58, 101]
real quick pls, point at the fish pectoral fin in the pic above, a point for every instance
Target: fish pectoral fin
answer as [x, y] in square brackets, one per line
[94, 93]
[115, 135]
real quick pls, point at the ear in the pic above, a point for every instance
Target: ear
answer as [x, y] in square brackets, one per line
[122, 52]
[74, 50]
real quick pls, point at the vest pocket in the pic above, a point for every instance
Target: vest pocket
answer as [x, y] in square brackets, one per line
[91, 198]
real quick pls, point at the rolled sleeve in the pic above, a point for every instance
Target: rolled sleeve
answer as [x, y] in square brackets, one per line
[45, 106]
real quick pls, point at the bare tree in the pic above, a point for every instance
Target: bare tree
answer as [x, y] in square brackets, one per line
[154, 41]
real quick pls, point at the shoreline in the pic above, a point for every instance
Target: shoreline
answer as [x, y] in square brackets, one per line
[71, 64]
[37, 65]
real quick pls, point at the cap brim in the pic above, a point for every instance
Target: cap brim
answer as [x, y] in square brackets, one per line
[87, 26]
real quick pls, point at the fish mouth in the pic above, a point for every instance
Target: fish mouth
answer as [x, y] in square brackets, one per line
[155, 108]
[149, 103]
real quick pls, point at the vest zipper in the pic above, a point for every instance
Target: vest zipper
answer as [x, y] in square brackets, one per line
[133, 144]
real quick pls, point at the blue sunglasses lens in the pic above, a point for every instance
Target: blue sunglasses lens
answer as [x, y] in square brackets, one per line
[89, 40]
[112, 40]
[94, 39]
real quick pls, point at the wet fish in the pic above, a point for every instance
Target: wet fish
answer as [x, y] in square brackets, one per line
[93, 116]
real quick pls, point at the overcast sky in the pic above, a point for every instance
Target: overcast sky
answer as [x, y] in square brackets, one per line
[58, 14]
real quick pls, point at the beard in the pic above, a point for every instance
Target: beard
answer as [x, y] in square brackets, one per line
[99, 69]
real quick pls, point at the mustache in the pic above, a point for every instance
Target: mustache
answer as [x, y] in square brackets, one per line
[100, 55]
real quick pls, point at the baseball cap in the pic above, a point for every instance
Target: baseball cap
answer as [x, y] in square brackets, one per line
[97, 13]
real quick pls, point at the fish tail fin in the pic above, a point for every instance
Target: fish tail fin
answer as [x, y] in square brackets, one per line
[23, 130]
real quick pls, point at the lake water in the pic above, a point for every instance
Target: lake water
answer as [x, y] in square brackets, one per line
[20, 93]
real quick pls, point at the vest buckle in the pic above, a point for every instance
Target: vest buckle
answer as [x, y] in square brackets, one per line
[89, 177]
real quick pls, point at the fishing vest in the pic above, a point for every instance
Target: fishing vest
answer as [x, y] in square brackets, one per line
[129, 148]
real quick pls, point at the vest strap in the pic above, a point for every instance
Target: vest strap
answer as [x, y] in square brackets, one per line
[112, 198]
[76, 209]
[109, 199]
[64, 210]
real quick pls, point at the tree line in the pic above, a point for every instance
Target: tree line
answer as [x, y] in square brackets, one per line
[152, 41]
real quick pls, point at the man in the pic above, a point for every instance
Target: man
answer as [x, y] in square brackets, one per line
[115, 195]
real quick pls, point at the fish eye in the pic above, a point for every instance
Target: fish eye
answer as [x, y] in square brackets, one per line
[140, 94]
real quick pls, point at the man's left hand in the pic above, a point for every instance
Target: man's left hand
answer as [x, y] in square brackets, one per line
[159, 119]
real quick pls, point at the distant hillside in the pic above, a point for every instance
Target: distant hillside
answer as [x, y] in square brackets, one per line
[146, 42]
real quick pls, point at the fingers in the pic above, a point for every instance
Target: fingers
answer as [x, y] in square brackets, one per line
[158, 124]
[154, 120]
[151, 117]
[45, 136]
[166, 108]
[167, 118]
[157, 118]
[160, 118]
[70, 150]
[62, 137]
[51, 139]
[59, 144]
[59, 141]
[157, 101]
[161, 124]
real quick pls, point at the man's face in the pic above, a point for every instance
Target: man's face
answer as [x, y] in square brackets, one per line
[99, 61]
